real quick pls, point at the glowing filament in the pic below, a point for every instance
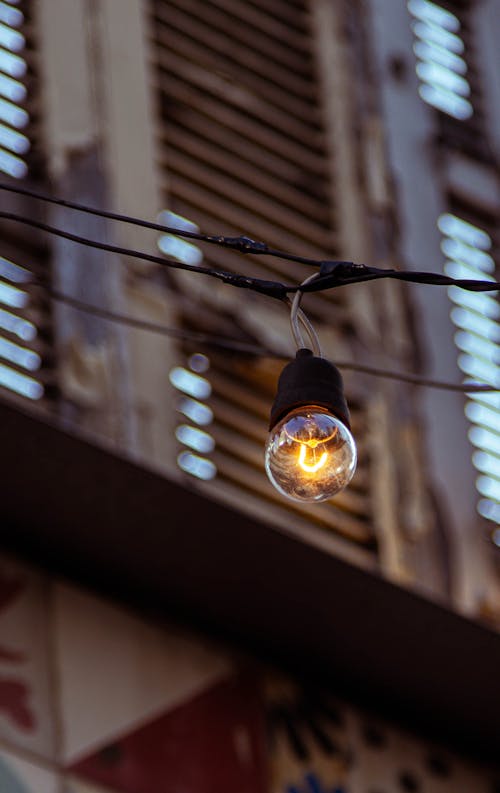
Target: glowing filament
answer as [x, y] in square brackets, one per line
[311, 468]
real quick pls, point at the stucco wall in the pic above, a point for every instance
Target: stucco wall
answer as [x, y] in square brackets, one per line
[94, 699]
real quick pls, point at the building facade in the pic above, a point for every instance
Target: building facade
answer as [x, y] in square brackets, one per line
[362, 131]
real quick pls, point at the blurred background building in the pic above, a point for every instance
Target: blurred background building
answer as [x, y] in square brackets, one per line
[365, 131]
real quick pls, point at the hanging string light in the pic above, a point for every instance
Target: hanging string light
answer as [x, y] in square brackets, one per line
[310, 454]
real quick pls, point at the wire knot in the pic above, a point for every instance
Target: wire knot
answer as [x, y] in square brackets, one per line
[270, 288]
[243, 244]
[340, 269]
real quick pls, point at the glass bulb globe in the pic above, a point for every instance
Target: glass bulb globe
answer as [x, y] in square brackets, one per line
[310, 455]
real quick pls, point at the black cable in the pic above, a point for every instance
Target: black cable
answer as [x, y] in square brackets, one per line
[269, 288]
[206, 339]
[332, 274]
[242, 244]
[225, 343]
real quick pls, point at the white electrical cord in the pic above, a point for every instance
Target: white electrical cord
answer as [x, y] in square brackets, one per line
[298, 317]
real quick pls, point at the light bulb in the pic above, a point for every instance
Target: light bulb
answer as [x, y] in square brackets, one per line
[310, 454]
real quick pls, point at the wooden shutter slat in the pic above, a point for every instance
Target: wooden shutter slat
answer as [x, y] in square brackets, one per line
[256, 225]
[247, 128]
[273, 50]
[263, 26]
[294, 15]
[225, 162]
[188, 120]
[241, 97]
[245, 196]
[241, 55]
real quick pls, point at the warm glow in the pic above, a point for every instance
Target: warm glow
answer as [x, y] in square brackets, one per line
[311, 468]
[310, 455]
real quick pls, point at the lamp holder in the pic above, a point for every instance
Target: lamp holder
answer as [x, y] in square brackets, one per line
[309, 380]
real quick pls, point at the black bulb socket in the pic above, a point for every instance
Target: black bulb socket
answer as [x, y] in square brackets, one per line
[309, 380]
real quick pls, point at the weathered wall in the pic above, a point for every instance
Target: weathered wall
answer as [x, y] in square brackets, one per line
[93, 699]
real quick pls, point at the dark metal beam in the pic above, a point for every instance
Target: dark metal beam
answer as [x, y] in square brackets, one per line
[79, 510]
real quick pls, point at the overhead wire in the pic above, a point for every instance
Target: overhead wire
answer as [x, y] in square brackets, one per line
[269, 288]
[332, 274]
[241, 243]
[225, 343]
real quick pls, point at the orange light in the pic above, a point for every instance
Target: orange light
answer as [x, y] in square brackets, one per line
[311, 468]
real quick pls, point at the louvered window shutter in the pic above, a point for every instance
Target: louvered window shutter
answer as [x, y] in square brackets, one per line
[245, 149]
[470, 244]
[446, 65]
[26, 349]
